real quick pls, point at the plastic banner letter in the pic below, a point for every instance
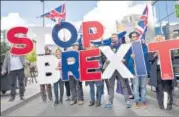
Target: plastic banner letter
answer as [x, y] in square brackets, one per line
[87, 37]
[12, 38]
[164, 51]
[70, 66]
[85, 65]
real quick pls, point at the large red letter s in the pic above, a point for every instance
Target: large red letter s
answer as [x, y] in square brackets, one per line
[12, 38]
[164, 51]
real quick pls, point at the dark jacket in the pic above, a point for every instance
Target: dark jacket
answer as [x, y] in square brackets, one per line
[154, 70]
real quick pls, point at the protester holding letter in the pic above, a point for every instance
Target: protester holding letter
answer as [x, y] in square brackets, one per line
[103, 59]
[156, 80]
[48, 86]
[67, 87]
[59, 83]
[138, 81]
[76, 86]
[115, 46]
[14, 66]
[99, 85]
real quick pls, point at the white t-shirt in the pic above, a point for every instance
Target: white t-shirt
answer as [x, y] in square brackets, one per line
[15, 63]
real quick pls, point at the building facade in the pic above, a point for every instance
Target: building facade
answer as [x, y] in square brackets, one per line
[165, 17]
[166, 22]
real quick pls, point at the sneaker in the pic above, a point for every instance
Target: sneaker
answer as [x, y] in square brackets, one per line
[44, 100]
[161, 107]
[131, 97]
[22, 98]
[80, 102]
[108, 106]
[145, 105]
[137, 106]
[56, 103]
[11, 99]
[50, 99]
[91, 103]
[169, 107]
[61, 101]
[68, 99]
[73, 102]
[128, 104]
[97, 105]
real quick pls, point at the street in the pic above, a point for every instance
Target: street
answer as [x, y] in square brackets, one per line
[38, 108]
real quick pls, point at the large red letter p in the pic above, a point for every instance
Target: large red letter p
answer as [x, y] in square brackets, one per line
[86, 32]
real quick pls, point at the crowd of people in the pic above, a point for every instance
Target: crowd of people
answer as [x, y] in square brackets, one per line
[14, 65]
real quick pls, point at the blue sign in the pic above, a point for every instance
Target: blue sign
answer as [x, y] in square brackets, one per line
[139, 59]
[66, 67]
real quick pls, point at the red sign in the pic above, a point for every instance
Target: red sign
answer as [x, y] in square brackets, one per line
[164, 53]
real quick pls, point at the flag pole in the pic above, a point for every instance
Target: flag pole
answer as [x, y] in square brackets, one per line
[64, 39]
[43, 5]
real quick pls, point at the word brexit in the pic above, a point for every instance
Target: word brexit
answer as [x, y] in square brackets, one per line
[47, 63]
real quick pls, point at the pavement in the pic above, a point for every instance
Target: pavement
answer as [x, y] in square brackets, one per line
[37, 107]
[32, 92]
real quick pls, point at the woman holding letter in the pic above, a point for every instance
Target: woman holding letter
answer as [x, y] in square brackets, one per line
[162, 86]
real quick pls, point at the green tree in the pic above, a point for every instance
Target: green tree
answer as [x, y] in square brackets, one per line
[31, 57]
[177, 10]
[4, 48]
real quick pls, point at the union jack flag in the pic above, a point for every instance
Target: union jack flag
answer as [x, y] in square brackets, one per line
[91, 30]
[80, 30]
[57, 15]
[142, 24]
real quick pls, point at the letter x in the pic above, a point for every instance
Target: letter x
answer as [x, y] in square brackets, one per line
[116, 61]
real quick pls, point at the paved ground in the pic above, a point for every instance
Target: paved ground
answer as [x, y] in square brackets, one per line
[32, 91]
[38, 108]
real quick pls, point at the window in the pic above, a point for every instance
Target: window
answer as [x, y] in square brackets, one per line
[164, 23]
[175, 35]
[162, 9]
[158, 31]
[171, 6]
[156, 12]
[173, 19]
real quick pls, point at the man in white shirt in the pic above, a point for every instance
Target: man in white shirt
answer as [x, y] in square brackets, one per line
[14, 66]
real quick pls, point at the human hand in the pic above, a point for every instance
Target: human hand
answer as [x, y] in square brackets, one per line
[133, 56]
[123, 60]
[3, 73]
[156, 54]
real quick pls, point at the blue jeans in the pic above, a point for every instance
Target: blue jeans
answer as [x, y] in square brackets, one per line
[77, 89]
[59, 83]
[98, 94]
[139, 81]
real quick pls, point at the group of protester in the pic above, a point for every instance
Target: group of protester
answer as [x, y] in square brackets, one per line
[14, 65]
